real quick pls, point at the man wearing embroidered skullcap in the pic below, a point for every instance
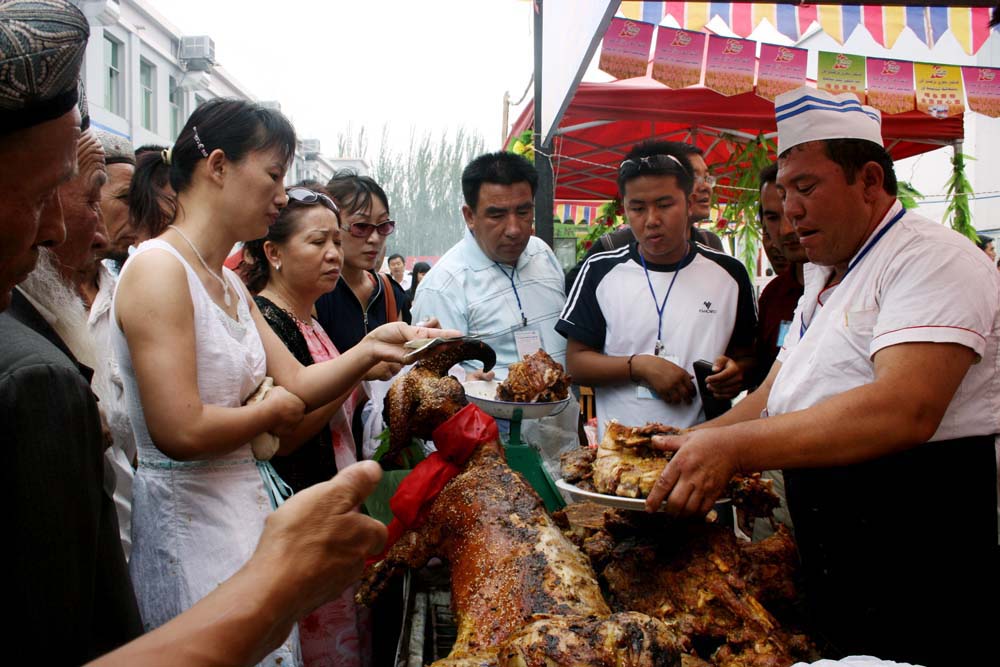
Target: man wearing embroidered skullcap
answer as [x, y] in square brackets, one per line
[68, 569]
[881, 407]
[119, 157]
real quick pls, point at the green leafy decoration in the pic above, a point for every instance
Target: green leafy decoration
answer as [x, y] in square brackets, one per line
[408, 458]
[959, 213]
[608, 219]
[738, 217]
[523, 145]
[908, 195]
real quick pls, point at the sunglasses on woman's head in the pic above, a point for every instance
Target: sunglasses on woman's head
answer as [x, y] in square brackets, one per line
[363, 230]
[307, 196]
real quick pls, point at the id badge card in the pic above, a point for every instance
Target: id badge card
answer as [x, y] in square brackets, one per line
[527, 340]
[644, 392]
[783, 331]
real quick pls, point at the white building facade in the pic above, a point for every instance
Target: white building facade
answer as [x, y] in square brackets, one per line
[144, 77]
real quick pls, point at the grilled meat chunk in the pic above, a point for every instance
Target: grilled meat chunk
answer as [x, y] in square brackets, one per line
[538, 378]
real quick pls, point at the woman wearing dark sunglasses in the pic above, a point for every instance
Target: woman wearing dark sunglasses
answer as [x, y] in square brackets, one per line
[362, 300]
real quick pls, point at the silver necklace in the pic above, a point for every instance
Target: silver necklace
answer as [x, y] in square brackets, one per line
[281, 303]
[222, 281]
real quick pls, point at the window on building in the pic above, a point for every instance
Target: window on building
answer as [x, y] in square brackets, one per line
[147, 82]
[176, 108]
[113, 61]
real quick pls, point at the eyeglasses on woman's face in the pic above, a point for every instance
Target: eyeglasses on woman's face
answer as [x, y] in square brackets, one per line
[363, 230]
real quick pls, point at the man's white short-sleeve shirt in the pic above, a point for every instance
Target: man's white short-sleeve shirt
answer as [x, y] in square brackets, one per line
[922, 282]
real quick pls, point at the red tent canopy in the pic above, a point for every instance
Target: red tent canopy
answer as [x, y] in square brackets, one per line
[605, 119]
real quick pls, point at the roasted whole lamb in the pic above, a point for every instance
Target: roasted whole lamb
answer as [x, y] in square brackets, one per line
[522, 593]
[538, 378]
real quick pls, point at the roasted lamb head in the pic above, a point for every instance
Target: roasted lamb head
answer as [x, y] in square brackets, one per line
[425, 397]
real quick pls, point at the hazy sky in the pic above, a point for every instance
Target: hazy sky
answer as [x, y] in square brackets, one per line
[429, 64]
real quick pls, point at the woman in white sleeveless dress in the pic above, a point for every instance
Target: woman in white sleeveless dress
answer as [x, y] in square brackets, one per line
[193, 347]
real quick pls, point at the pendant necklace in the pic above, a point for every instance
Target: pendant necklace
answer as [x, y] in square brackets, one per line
[225, 283]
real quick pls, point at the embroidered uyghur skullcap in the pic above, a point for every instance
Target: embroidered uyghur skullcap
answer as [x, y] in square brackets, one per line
[807, 114]
[117, 149]
[42, 43]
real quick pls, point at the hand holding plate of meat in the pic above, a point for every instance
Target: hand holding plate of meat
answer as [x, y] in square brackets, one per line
[537, 386]
[623, 469]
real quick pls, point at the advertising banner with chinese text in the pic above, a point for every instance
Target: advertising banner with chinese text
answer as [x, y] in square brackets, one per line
[625, 52]
[782, 68]
[982, 87]
[730, 65]
[677, 57]
[890, 85]
[841, 73]
[939, 89]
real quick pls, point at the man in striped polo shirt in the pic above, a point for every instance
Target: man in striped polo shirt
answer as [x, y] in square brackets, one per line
[638, 317]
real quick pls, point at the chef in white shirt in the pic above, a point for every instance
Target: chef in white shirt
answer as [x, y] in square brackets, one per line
[882, 407]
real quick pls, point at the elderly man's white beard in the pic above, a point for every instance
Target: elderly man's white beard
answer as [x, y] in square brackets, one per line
[61, 306]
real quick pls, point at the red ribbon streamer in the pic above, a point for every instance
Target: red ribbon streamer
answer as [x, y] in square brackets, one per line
[455, 441]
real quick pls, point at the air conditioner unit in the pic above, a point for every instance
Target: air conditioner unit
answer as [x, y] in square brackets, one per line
[310, 148]
[197, 53]
[100, 12]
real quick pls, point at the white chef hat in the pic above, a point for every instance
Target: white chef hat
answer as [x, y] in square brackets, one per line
[807, 114]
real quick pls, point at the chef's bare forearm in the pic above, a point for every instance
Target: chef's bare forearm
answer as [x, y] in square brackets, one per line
[898, 410]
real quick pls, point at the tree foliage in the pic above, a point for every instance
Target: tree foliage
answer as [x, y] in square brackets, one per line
[423, 182]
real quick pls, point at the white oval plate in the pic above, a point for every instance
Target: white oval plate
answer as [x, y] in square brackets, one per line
[483, 393]
[619, 502]
[582, 496]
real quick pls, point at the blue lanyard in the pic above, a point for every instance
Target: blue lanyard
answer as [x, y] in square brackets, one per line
[660, 307]
[511, 276]
[803, 327]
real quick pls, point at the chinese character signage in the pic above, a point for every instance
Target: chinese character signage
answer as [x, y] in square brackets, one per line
[890, 85]
[677, 58]
[730, 65]
[982, 86]
[782, 68]
[939, 89]
[625, 52]
[841, 73]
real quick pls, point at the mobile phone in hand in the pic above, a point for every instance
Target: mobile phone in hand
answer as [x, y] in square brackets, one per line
[713, 406]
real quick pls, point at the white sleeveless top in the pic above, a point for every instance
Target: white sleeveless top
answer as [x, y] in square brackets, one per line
[195, 523]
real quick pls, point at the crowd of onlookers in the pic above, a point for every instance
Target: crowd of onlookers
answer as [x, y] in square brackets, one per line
[191, 350]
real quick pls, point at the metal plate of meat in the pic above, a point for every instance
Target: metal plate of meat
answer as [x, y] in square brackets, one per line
[482, 393]
[582, 496]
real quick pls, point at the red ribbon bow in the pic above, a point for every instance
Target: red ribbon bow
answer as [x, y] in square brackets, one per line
[455, 441]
